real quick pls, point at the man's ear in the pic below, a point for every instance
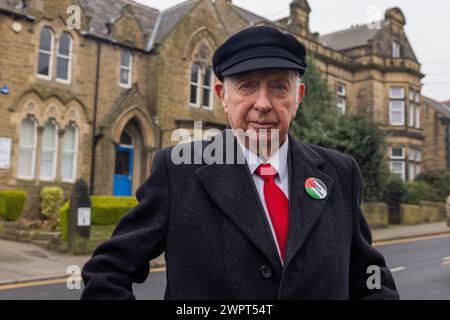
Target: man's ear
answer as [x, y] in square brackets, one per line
[301, 94]
[220, 93]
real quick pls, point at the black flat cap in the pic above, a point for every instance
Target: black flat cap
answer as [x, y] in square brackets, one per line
[258, 48]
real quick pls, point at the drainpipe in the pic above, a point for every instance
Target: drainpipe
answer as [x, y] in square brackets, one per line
[447, 140]
[95, 137]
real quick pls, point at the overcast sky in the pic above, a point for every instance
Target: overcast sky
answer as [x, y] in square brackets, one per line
[427, 27]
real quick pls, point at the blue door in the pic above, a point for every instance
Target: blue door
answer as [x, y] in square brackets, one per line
[123, 171]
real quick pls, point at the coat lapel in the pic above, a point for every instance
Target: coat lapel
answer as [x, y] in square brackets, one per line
[304, 211]
[231, 187]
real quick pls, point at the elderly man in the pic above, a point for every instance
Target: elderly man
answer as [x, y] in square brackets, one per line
[286, 223]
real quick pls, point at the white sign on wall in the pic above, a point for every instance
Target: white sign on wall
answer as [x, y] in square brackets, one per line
[84, 217]
[5, 153]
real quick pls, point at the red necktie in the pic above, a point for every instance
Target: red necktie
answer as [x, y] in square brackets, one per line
[277, 204]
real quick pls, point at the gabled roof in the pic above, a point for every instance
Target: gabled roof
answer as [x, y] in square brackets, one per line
[349, 38]
[248, 16]
[438, 106]
[171, 17]
[103, 12]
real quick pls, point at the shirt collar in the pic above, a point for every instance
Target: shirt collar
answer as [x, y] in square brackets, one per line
[278, 161]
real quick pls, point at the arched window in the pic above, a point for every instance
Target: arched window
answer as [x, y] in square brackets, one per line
[49, 151]
[195, 85]
[207, 88]
[64, 58]
[27, 148]
[126, 68]
[45, 53]
[69, 156]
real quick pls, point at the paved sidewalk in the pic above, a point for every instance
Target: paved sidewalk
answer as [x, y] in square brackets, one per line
[23, 262]
[405, 232]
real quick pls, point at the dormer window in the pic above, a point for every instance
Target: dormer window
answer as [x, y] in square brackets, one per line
[396, 48]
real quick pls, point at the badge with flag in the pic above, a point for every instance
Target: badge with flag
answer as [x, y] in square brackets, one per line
[316, 189]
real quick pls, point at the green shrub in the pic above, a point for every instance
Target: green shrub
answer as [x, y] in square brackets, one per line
[51, 201]
[418, 191]
[106, 210]
[64, 220]
[394, 190]
[439, 180]
[11, 204]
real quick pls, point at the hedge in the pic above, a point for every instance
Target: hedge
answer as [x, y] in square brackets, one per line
[418, 191]
[106, 210]
[11, 204]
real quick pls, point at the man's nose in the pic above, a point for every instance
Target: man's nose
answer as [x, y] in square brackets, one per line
[262, 102]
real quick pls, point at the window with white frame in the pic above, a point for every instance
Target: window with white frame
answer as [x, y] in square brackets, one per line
[411, 109]
[396, 106]
[397, 113]
[415, 163]
[397, 161]
[417, 110]
[69, 156]
[195, 85]
[49, 151]
[126, 68]
[45, 59]
[396, 49]
[27, 148]
[64, 58]
[342, 98]
[207, 88]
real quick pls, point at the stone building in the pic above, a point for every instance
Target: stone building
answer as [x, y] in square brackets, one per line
[95, 101]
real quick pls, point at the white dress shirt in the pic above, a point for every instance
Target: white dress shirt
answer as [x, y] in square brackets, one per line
[279, 162]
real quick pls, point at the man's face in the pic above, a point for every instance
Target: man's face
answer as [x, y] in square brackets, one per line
[263, 99]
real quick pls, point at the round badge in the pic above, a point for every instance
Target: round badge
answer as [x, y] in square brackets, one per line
[316, 189]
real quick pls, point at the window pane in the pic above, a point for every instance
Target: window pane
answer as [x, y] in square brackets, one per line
[68, 161]
[417, 116]
[48, 138]
[194, 73]
[25, 162]
[47, 164]
[411, 172]
[206, 97]
[397, 93]
[418, 155]
[44, 64]
[342, 106]
[69, 139]
[207, 79]
[64, 44]
[397, 167]
[46, 39]
[397, 152]
[411, 115]
[126, 139]
[27, 132]
[124, 76]
[193, 94]
[62, 71]
[125, 59]
[122, 162]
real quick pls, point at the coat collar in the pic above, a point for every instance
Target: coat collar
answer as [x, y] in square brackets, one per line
[232, 183]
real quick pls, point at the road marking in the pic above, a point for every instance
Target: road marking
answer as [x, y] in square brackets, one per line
[397, 269]
[54, 281]
[384, 243]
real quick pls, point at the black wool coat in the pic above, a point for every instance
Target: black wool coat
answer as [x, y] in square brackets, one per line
[209, 221]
